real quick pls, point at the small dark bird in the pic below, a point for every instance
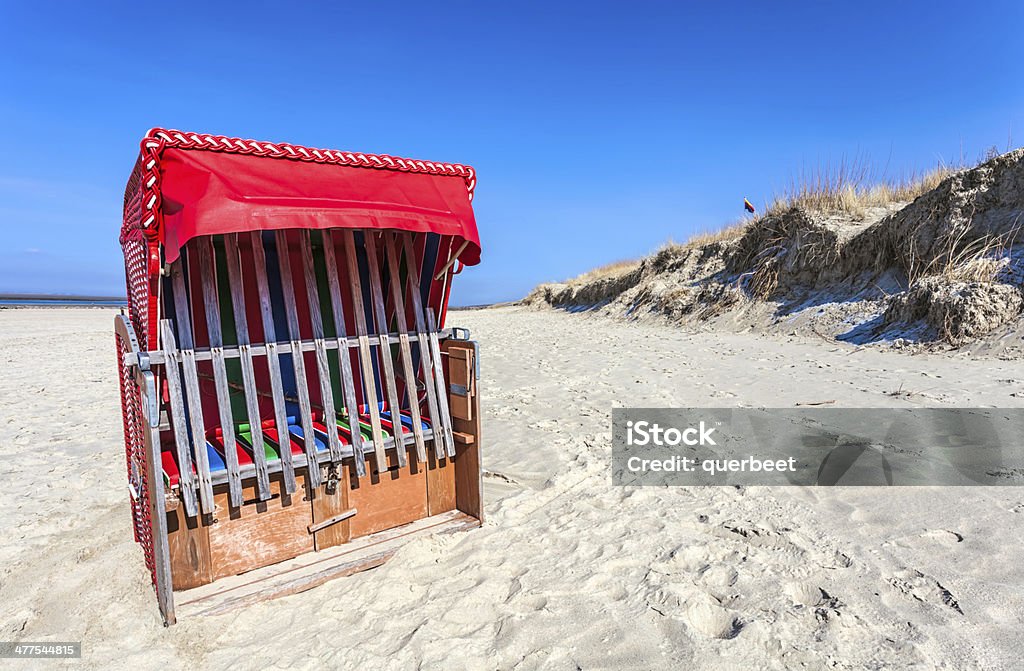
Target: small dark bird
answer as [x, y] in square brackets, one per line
[748, 206]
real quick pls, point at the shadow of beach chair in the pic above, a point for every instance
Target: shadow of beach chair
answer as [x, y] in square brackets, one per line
[294, 409]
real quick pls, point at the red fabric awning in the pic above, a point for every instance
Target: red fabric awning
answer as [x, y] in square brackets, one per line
[212, 193]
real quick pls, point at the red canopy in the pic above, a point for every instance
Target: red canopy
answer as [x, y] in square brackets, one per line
[215, 192]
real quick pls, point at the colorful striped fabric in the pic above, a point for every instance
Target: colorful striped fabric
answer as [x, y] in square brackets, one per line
[431, 253]
[271, 441]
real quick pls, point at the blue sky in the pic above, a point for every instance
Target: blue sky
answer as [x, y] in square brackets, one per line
[599, 130]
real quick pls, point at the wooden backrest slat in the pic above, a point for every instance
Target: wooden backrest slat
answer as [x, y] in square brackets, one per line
[384, 348]
[442, 387]
[427, 359]
[322, 366]
[211, 301]
[208, 277]
[259, 262]
[273, 361]
[369, 385]
[408, 367]
[181, 302]
[298, 361]
[287, 285]
[186, 478]
[233, 263]
[312, 294]
[234, 267]
[191, 387]
[345, 362]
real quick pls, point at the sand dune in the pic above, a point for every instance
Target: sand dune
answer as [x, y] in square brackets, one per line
[569, 571]
[942, 268]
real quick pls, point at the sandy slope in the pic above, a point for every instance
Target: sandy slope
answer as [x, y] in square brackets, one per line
[569, 571]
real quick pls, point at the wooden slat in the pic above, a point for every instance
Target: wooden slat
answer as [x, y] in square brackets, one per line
[191, 373]
[273, 360]
[197, 424]
[347, 383]
[426, 358]
[220, 373]
[322, 368]
[397, 291]
[181, 310]
[341, 517]
[157, 514]
[186, 477]
[463, 438]
[384, 348]
[442, 387]
[234, 268]
[452, 258]
[369, 388]
[298, 363]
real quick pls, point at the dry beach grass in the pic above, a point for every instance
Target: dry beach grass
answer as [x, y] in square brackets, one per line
[850, 187]
[842, 256]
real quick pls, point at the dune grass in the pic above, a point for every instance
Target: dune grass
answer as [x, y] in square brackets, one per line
[608, 271]
[724, 234]
[851, 187]
[668, 249]
[963, 258]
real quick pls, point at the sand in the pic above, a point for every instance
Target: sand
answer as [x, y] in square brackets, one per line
[569, 571]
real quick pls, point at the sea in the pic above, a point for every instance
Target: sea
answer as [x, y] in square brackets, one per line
[61, 301]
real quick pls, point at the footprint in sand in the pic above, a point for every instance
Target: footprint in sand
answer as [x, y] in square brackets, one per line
[943, 536]
[928, 539]
[701, 611]
[532, 603]
[712, 620]
[924, 588]
[806, 594]
[794, 554]
[719, 575]
[683, 588]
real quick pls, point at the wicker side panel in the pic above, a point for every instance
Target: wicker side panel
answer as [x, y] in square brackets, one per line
[137, 253]
[135, 453]
[141, 305]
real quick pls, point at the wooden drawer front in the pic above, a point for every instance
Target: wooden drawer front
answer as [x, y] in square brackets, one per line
[389, 499]
[260, 532]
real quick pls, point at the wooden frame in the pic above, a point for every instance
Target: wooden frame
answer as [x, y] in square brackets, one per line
[342, 503]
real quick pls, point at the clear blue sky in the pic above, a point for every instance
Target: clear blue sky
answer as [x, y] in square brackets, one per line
[599, 130]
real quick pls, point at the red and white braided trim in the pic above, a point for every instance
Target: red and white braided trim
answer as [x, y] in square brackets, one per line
[159, 139]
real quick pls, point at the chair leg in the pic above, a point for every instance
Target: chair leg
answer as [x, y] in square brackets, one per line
[158, 511]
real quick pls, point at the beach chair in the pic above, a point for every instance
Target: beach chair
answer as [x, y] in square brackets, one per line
[294, 409]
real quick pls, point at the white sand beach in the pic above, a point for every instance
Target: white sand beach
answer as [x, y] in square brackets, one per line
[568, 571]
